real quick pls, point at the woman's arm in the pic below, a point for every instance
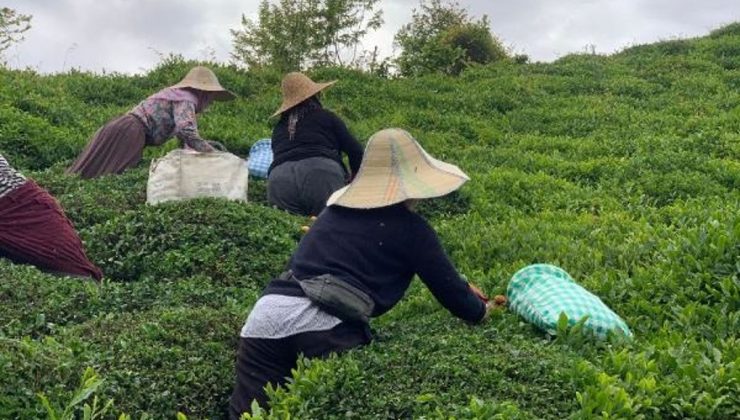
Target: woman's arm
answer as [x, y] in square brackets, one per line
[348, 144]
[437, 272]
[186, 127]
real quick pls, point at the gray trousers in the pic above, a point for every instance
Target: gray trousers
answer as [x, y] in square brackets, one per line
[303, 186]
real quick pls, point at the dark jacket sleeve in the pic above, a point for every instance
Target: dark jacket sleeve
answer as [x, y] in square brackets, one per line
[348, 144]
[437, 272]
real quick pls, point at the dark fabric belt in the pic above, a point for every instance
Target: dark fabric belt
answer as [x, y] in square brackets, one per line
[283, 287]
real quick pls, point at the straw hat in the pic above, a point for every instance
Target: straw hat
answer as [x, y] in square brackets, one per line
[203, 78]
[395, 168]
[297, 87]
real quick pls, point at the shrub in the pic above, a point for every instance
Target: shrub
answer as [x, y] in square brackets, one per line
[30, 142]
[231, 242]
[732, 29]
[81, 198]
[443, 38]
[167, 360]
[477, 44]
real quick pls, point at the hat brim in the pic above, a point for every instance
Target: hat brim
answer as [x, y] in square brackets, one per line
[396, 170]
[368, 191]
[219, 93]
[341, 197]
[286, 105]
[223, 95]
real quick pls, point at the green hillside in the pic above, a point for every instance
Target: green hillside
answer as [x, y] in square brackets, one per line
[624, 170]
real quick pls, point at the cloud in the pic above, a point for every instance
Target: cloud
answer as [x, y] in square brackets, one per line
[546, 30]
[130, 35]
[122, 35]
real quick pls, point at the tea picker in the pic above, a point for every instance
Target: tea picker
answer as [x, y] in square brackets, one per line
[353, 264]
[171, 112]
[34, 229]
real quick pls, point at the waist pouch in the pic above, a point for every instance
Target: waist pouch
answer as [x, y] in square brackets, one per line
[337, 297]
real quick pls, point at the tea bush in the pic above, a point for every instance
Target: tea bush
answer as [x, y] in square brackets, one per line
[622, 169]
[228, 241]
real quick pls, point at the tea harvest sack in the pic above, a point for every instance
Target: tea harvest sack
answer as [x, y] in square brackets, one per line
[541, 292]
[185, 174]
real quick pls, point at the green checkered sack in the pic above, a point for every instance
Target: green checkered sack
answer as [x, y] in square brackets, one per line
[541, 292]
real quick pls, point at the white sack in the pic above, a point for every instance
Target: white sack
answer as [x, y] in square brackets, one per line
[184, 174]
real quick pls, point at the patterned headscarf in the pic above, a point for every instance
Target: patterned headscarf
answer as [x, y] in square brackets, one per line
[201, 99]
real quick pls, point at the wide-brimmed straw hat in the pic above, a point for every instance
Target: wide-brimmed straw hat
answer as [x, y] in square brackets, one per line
[297, 87]
[203, 78]
[396, 168]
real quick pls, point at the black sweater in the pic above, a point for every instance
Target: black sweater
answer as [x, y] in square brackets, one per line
[379, 251]
[319, 133]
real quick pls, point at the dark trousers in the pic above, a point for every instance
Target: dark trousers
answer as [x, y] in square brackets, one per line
[261, 361]
[303, 186]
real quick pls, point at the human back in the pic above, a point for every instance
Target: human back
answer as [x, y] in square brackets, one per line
[316, 134]
[371, 249]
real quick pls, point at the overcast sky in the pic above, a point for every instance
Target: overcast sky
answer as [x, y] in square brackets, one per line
[130, 36]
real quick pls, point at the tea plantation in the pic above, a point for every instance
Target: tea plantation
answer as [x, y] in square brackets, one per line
[624, 170]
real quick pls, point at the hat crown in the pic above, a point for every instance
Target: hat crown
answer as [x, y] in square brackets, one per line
[389, 137]
[203, 78]
[297, 87]
[202, 75]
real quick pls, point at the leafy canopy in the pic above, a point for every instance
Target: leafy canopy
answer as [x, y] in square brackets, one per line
[12, 27]
[296, 34]
[441, 37]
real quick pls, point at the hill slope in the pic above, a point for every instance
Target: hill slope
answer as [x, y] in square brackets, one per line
[623, 170]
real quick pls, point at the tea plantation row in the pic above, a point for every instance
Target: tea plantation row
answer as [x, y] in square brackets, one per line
[624, 170]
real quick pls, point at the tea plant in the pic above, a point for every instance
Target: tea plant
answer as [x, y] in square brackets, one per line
[621, 169]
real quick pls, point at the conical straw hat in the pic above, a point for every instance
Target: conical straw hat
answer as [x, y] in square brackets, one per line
[203, 78]
[297, 87]
[395, 168]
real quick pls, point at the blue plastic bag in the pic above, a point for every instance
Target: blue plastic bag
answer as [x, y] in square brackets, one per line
[260, 158]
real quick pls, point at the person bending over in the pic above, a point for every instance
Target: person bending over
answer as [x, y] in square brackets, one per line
[119, 144]
[34, 229]
[356, 262]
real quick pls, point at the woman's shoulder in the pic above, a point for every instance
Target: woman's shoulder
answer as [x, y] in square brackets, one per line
[171, 94]
[397, 212]
[325, 114]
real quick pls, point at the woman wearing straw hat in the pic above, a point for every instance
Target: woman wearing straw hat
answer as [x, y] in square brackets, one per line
[307, 147]
[355, 262]
[119, 144]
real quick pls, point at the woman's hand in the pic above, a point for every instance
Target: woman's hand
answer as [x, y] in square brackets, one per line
[494, 304]
[197, 145]
[216, 145]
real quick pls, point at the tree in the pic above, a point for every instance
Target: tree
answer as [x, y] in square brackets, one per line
[441, 37]
[281, 36]
[474, 43]
[296, 34]
[12, 27]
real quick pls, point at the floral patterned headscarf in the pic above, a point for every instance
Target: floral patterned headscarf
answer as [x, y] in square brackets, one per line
[201, 99]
